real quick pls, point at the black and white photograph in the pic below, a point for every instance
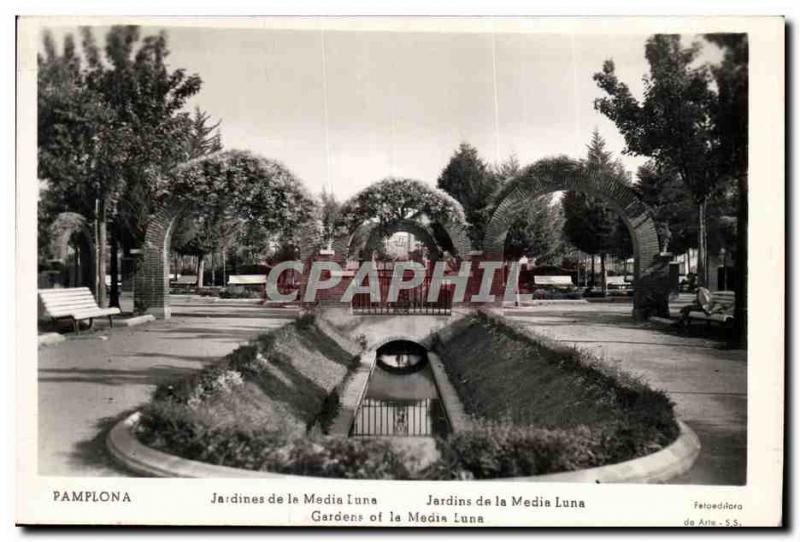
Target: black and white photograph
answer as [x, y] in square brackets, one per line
[401, 272]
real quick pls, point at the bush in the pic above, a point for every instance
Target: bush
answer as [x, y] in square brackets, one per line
[541, 293]
[237, 292]
[492, 449]
[165, 428]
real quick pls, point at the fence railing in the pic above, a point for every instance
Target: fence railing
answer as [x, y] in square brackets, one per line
[409, 301]
[398, 418]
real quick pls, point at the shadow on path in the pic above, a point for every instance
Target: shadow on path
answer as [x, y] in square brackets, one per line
[92, 454]
[151, 375]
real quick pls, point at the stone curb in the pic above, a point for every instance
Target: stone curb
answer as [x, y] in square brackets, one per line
[128, 451]
[658, 467]
[51, 338]
[453, 407]
[352, 394]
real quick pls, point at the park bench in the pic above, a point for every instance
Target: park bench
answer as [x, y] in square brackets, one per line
[247, 280]
[74, 303]
[617, 283]
[553, 281]
[716, 307]
[185, 280]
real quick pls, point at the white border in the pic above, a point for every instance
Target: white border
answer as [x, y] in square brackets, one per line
[766, 340]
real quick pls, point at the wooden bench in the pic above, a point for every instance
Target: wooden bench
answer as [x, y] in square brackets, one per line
[617, 283]
[247, 280]
[720, 308]
[557, 281]
[74, 303]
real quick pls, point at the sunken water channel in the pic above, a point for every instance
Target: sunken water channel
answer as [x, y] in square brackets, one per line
[401, 398]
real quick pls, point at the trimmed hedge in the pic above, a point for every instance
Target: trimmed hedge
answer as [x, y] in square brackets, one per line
[176, 431]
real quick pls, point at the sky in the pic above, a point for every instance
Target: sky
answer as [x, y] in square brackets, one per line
[345, 109]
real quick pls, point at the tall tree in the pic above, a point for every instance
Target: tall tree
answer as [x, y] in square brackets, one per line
[112, 125]
[672, 124]
[204, 138]
[536, 231]
[672, 203]
[467, 178]
[730, 114]
[589, 224]
[330, 214]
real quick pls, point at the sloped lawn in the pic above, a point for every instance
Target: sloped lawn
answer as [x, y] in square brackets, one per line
[540, 407]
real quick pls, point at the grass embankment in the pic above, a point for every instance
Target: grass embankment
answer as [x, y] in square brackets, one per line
[540, 407]
[265, 406]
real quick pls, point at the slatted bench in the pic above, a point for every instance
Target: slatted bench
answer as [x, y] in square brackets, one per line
[555, 281]
[720, 309]
[617, 283]
[74, 303]
[247, 280]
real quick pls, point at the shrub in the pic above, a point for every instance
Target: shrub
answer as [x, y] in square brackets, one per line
[239, 293]
[541, 293]
[166, 428]
[501, 449]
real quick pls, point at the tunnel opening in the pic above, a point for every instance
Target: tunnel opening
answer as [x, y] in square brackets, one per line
[401, 399]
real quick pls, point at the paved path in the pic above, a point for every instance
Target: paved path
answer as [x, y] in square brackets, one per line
[91, 380]
[707, 382]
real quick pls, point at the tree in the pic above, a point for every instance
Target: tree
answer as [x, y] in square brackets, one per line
[396, 199]
[730, 116]
[234, 192]
[589, 224]
[467, 178]
[330, 214]
[110, 127]
[204, 138]
[672, 203]
[672, 124]
[536, 231]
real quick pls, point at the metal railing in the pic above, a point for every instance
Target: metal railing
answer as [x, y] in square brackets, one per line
[397, 418]
[410, 301]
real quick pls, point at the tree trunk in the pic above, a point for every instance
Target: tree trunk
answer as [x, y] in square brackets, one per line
[213, 271]
[114, 270]
[100, 251]
[603, 278]
[585, 271]
[201, 267]
[224, 280]
[592, 281]
[702, 249]
[740, 280]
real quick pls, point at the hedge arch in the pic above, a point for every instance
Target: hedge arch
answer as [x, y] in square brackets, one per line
[62, 230]
[417, 229]
[651, 272]
[240, 182]
[397, 204]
